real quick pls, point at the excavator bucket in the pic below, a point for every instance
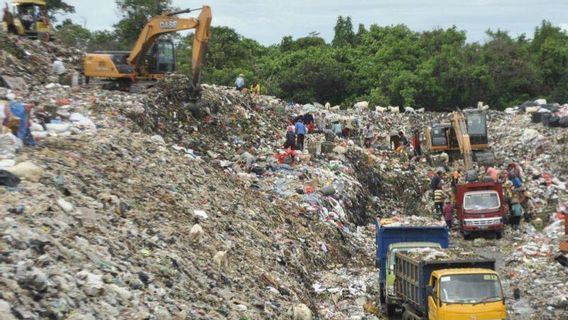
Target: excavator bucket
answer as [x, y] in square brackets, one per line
[200, 40]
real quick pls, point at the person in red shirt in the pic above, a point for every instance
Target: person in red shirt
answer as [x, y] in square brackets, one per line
[448, 211]
[416, 143]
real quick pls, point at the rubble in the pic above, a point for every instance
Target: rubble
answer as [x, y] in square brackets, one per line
[139, 205]
[432, 254]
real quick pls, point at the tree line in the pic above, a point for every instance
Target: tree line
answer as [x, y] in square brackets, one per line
[385, 65]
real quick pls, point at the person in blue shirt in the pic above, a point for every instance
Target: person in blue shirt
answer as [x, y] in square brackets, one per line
[516, 182]
[240, 82]
[300, 132]
[22, 111]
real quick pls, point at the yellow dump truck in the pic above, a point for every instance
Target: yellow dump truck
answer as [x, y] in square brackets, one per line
[448, 284]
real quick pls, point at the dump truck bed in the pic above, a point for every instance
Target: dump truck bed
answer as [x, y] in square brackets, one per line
[400, 232]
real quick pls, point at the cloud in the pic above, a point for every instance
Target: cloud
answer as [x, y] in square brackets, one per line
[267, 21]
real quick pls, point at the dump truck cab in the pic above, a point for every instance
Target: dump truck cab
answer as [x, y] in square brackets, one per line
[481, 208]
[31, 18]
[457, 294]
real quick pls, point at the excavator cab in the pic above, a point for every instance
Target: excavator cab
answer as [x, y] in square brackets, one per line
[31, 18]
[161, 57]
[476, 126]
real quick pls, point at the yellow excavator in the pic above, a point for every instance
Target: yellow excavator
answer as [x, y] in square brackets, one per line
[31, 19]
[465, 135]
[152, 58]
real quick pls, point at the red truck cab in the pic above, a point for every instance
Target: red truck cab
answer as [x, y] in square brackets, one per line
[481, 208]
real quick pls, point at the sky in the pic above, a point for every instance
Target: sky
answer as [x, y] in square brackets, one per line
[269, 20]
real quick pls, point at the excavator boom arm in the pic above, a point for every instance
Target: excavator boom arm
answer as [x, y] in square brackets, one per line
[168, 23]
[200, 40]
[458, 123]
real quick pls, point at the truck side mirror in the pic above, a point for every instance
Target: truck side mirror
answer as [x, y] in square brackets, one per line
[430, 291]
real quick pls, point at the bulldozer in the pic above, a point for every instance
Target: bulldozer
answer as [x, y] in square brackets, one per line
[465, 135]
[152, 57]
[31, 19]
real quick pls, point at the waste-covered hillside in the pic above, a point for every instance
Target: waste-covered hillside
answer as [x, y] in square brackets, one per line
[138, 206]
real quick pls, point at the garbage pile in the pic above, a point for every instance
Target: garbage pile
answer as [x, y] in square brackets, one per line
[25, 62]
[416, 221]
[148, 206]
[549, 114]
[433, 254]
[525, 258]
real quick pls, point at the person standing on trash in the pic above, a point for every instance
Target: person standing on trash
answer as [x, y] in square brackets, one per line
[8, 19]
[448, 211]
[59, 69]
[346, 131]
[403, 139]
[23, 112]
[456, 175]
[516, 180]
[436, 181]
[240, 82]
[516, 211]
[493, 173]
[309, 122]
[255, 88]
[300, 133]
[416, 143]
[336, 128]
[290, 137]
[439, 198]
[369, 134]
[395, 141]
[515, 170]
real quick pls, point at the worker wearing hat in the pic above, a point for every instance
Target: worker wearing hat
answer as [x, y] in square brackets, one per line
[240, 82]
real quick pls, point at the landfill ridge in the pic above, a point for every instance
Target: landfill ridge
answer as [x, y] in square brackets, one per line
[140, 206]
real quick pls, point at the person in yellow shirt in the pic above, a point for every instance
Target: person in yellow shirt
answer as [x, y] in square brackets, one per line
[255, 88]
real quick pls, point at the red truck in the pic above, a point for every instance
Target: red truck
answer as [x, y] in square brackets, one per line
[481, 208]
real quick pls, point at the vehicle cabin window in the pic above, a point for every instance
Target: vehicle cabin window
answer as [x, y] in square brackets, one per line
[435, 288]
[476, 124]
[470, 288]
[481, 200]
[165, 57]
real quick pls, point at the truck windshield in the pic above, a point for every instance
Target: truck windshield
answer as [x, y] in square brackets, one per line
[470, 288]
[481, 200]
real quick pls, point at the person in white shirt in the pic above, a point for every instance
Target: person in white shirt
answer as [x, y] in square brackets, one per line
[59, 69]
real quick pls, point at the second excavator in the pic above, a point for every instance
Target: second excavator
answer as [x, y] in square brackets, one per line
[153, 57]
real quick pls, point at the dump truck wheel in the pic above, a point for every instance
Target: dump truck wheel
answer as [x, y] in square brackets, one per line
[499, 234]
[391, 309]
[382, 296]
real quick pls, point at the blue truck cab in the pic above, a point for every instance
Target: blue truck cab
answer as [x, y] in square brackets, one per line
[393, 237]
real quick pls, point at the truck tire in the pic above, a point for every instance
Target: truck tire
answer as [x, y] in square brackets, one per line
[407, 315]
[391, 309]
[499, 235]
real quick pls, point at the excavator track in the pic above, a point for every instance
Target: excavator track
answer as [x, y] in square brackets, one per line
[484, 158]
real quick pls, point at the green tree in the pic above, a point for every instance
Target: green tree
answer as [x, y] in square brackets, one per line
[550, 50]
[55, 7]
[344, 35]
[135, 14]
[228, 54]
[71, 34]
